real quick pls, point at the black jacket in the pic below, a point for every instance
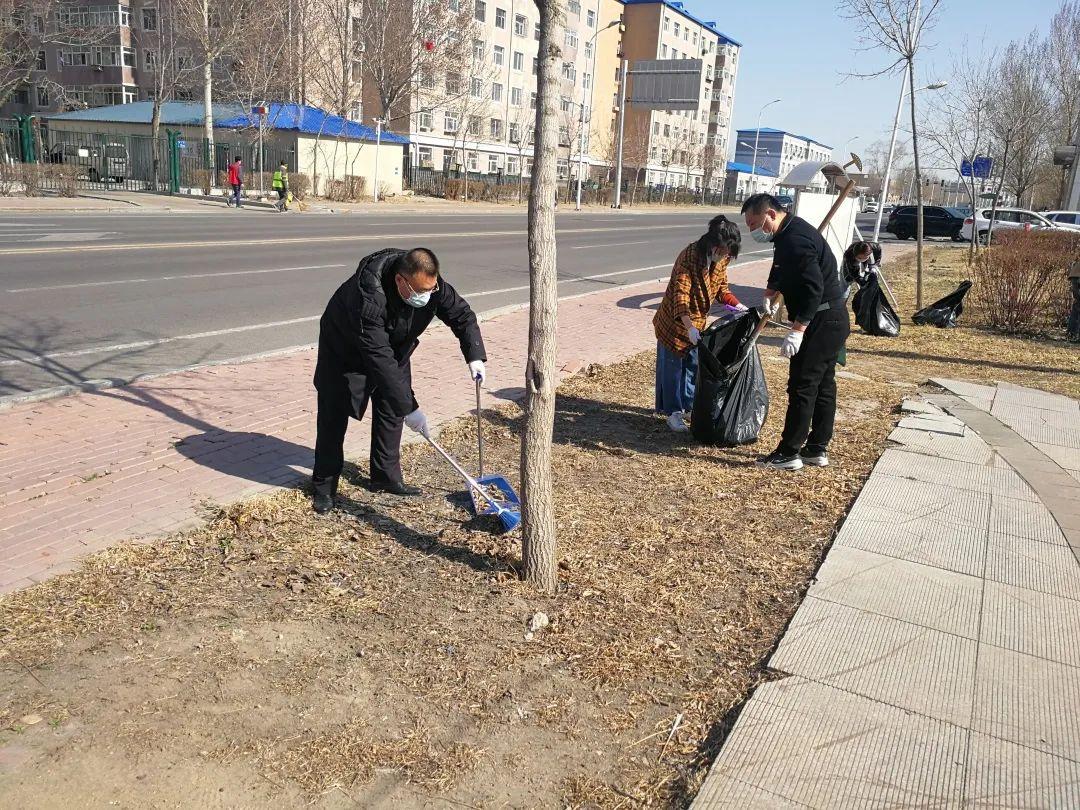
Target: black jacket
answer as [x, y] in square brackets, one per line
[804, 269]
[368, 333]
[856, 271]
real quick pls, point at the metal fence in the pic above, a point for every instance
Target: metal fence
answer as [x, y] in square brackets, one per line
[104, 161]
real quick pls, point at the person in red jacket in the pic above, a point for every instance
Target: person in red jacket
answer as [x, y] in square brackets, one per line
[236, 180]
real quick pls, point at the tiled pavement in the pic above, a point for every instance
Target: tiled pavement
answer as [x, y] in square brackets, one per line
[935, 661]
[85, 471]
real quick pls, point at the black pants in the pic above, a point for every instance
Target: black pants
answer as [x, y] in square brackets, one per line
[1074, 316]
[336, 406]
[811, 409]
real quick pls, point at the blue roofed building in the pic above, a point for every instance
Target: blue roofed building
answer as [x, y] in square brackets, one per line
[779, 151]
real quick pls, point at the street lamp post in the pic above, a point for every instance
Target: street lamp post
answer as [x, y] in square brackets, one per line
[592, 79]
[757, 136]
[892, 147]
[749, 146]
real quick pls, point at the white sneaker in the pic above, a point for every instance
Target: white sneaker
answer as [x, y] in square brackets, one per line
[677, 422]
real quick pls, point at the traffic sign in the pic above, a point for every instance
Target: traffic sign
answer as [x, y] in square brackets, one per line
[982, 167]
[181, 144]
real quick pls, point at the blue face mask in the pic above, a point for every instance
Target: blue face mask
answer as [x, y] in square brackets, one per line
[418, 300]
[760, 236]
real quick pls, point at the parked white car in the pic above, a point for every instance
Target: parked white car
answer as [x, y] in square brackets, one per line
[1066, 219]
[1004, 218]
[870, 208]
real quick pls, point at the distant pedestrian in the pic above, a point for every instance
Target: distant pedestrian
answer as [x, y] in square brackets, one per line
[698, 279]
[236, 180]
[280, 184]
[1074, 316]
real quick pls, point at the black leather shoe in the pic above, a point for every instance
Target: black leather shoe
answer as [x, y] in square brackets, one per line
[395, 488]
[322, 503]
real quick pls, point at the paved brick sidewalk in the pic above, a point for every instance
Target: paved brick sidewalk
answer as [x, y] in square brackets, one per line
[80, 473]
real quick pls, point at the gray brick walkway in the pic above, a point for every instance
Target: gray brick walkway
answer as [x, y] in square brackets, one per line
[936, 659]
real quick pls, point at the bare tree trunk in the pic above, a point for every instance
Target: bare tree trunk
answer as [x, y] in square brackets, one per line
[155, 146]
[918, 192]
[538, 508]
[997, 193]
[208, 96]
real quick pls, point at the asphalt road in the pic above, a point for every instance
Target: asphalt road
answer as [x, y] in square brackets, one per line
[115, 296]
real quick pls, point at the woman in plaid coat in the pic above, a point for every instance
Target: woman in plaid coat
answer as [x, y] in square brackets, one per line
[698, 279]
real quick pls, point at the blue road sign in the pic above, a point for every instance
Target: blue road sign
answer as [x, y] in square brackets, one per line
[982, 167]
[181, 144]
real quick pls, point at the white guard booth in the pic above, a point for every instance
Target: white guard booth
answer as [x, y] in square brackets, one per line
[813, 205]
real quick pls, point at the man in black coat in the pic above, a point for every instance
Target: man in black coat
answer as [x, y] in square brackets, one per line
[366, 338]
[804, 272]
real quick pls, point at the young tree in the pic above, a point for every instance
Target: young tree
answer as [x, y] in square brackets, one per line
[1061, 67]
[896, 27]
[522, 127]
[538, 506]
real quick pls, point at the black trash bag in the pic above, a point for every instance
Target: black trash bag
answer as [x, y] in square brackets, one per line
[944, 313]
[731, 399]
[872, 310]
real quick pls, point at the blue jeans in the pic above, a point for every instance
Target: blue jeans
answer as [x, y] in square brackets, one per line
[236, 193]
[676, 378]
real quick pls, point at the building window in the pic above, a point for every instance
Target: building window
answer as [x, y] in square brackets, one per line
[474, 125]
[450, 123]
[425, 122]
[532, 101]
[536, 65]
[517, 97]
[677, 29]
[493, 164]
[569, 72]
[570, 38]
[667, 130]
[500, 18]
[590, 19]
[496, 91]
[42, 97]
[453, 84]
[536, 31]
[586, 81]
[511, 165]
[686, 34]
[480, 11]
[42, 61]
[356, 111]
[149, 19]
[74, 57]
[564, 136]
[474, 161]
[20, 96]
[656, 128]
[478, 49]
[565, 103]
[423, 155]
[427, 80]
[129, 57]
[519, 60]
[515, 135]
[521, 26]
[496, 128]
[476, 88]
[588, 48]
[574, 6]
[663, 51]
[498, 54]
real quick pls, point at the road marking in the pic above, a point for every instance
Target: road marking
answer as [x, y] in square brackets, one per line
[143, 344]
[170, 278]
[609, 244]
[308, 240]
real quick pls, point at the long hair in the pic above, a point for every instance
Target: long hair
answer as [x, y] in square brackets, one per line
[722, 233]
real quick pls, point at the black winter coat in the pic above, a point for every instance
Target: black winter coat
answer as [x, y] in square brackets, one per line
[367, 333]
[804, 269]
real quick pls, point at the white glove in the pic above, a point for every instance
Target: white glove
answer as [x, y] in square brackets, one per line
[770, 304]
[792, 343]
[740, 307]
[477, 371]
[695, 335]
[417, 422]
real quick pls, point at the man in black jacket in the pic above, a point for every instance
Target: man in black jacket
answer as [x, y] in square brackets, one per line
[804, 272]
[366, 338]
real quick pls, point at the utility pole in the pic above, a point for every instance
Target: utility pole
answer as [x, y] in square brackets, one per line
[378, 143]
[208, 94]
[622, 129]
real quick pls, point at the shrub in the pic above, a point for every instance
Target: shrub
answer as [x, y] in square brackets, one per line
[299, 185]
[1020, 282]
[32, 176]
[10, 178]
[66, 179]
[350, 189]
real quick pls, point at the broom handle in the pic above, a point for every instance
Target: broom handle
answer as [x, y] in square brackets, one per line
[468, 478]
[479, 429]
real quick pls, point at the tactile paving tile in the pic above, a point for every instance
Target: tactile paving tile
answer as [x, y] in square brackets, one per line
[961, 474]
[955, 548]
[1067, 458]
[1024, 518]
[920, 594]
[968, 448]
[822, 747]
[965, 389]
[1008, 776]
[919, 406]
[1044, 567]
[1040, 624]
[918, 501]
[1028, 700]
[896, 662]
[1033, 398]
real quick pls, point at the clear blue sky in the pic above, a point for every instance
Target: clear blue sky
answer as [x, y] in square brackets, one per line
[801, 52]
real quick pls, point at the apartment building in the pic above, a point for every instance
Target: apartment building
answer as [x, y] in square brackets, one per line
[681, 148]
[779, 151]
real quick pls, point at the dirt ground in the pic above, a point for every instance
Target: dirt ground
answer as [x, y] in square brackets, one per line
[381, 657]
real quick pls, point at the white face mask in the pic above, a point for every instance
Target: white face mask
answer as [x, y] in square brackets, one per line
[760, 236]
[419, 300]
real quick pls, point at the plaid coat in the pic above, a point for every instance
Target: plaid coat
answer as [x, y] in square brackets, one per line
[692, 290]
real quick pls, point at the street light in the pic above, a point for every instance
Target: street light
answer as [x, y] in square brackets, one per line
[592, 79]
[757, 135]
[892, 145]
